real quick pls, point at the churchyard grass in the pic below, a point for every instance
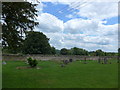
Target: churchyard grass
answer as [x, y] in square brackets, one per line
[52, 75]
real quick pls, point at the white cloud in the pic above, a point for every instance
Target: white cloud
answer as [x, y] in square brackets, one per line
[108, 29]
[49, 23]
[101, 10]
[70, 16]
[88, 34]
[55, 39]
[66, 1]
[75, 26]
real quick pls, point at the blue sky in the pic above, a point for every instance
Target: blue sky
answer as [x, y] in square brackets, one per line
[111, 21]
[62, 10]
[91, 27]
[59, 10]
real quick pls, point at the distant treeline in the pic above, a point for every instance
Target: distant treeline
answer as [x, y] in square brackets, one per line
[38, 43]
[83, 52]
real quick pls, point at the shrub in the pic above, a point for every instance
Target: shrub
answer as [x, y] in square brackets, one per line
[32, 62]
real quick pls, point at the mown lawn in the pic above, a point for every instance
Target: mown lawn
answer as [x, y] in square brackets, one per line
[51, 75]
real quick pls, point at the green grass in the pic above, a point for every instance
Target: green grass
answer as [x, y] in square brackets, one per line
[51, 75]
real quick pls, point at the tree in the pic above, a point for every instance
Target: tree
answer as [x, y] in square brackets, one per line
[17, 18]
[57, 52]
[36, 43]
[64, 51]
[53, 50]
[75, 51]
[92, 53]
[99, 53]
[79, 51]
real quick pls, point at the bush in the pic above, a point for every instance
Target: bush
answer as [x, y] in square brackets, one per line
[32, 62]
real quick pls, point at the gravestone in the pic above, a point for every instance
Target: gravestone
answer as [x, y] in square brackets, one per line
[102, 60]
[4, 63]
[65, 61]
[62, 65]
[105, 60]
[85, 60]
[70, 60]
[99, 60]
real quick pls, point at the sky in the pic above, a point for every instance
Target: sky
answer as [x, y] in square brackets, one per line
[84, 24]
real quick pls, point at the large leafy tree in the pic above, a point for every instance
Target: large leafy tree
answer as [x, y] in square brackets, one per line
[17, 17]
[36, 43]
[79, 51]
[53, 50]
[99, 52]
[64, 51]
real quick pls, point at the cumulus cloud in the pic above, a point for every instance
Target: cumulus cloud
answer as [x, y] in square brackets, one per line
[90, 34]
[70, 16]
[56, 39]
[49, 23]
[99, 10]
[87, 34]
[93, 33]
[66, 1]
[75, 26]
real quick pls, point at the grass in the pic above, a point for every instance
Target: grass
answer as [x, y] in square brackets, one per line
[51, 75]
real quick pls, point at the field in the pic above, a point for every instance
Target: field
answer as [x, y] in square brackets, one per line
[52, 75]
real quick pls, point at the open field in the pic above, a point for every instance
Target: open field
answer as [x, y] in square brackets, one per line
[51, 75]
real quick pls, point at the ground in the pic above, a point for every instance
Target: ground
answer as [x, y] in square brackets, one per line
[52, 75]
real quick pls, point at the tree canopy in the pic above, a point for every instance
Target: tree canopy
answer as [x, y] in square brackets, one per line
[79, 51]
[17, 17]
[99, 52]
[64, 51]
[37, 43]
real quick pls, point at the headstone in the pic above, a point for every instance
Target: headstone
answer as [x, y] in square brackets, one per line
[65, 61]
[37, 68]
[70, 60]
[85, 61]
[4, 63]
[62, 65]
[99, 60]
[105, 60]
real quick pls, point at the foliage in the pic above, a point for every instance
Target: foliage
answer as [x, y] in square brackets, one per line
[57, 52]
[17, 18]
[32, 62]
[79, 51]
[53, 50]
[36, 43]
[64, 51]
[100, 53]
